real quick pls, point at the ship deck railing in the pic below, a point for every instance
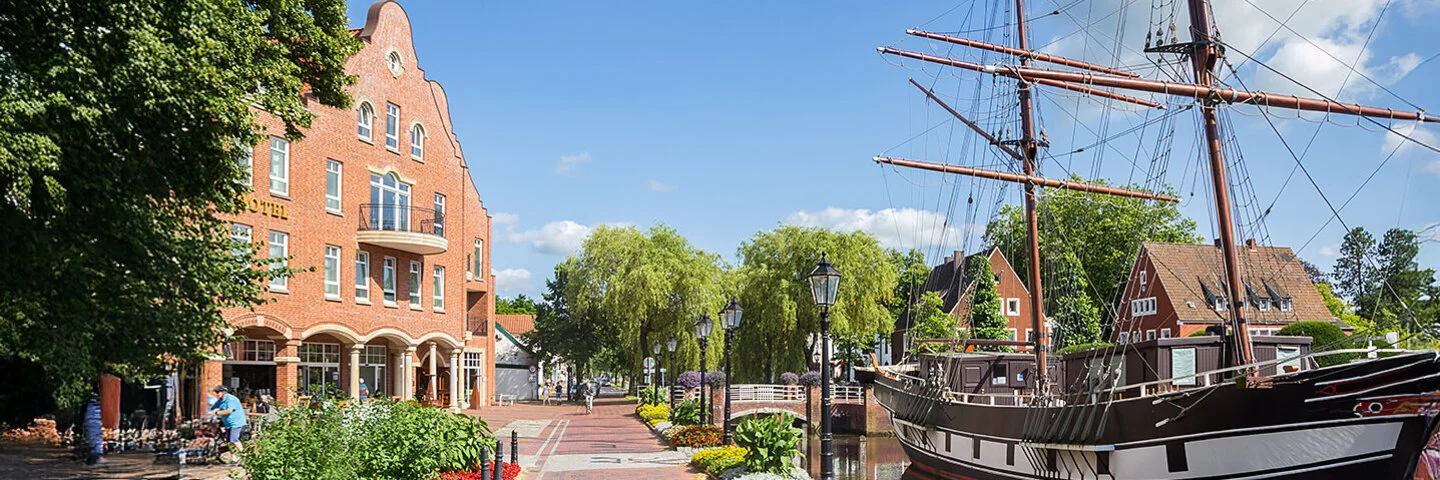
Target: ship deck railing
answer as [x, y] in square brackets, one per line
[1155, 388]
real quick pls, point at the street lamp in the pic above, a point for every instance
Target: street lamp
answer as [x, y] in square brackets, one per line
[824, 281]
[670, 390]
[731, 316]
[702, 335]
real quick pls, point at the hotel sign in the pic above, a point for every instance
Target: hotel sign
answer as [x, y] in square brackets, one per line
[266, 207]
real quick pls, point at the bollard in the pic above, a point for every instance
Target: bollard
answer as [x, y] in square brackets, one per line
[499, 460]
[514, 446]
[484, 463]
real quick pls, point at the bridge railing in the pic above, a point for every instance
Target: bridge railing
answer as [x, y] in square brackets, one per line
[766, 393]
[847, 394]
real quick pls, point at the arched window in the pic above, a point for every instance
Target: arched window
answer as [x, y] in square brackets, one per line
[417, 142]
[365, 119]
[393, 61]
[389, 203]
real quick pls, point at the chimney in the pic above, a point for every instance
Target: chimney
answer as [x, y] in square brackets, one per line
[959, 261]
[1217, 243]
[1250, 243]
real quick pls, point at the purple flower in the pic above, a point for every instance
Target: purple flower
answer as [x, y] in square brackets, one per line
[689, 379]
[715, 379]
[810, 378]
[789, 378]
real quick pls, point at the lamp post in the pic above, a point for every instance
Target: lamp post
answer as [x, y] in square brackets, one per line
[702, 335]
[670, 390]
[731, 316]
[655, 349]
[824, 281]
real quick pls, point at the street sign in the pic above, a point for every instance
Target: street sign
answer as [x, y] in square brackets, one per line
[532, 369]
[649, 362]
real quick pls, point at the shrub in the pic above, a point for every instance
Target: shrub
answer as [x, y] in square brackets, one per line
[810, 378]
[1201, 333]
[772, 441]
[686, 413]
[652, 396]
[789, 378]
[381, 438]
[715, 379]
[1323, 336]
[1082, 347]
[689, 379]
[699, 436]
[717, 460]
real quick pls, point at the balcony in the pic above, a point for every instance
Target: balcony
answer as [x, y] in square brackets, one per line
[405, 228]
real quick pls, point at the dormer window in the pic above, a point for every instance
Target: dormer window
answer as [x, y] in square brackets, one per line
[1286, 305]
[1220, 303]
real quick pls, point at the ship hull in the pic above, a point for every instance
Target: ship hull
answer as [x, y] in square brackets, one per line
[1366, 420]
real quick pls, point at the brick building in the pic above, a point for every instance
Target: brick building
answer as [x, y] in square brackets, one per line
[950, 280]
[1176, 289]
[379, 201]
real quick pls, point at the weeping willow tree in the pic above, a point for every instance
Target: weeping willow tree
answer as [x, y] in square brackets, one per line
[637, 288]
[781, 322]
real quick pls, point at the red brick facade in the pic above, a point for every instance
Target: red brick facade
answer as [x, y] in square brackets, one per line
[424, 344]
[950, 280]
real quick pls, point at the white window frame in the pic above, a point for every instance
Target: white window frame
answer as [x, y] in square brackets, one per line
[417, 142]
[440, 214]
[1287, 305]
[247, 164]
[241, 233]
[1014, 334]
[1012, 307]
[373, 362]
[1263, 305]
[332, 272]
[323, 358]
[362, 277]
[1143, 306]
[474, 366]
[365, 122]
[1164, 333]
[437, 289]
[1144, 280]
[1030, 335]
[334, 180]
[477, 264]
[279, 240]
[1124, 338]
[279, 156]
[415, 286]
[1222, 303]
[392, 126]
[1149, 334]
[387, 281]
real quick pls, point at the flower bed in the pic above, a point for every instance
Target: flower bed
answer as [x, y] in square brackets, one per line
[652, 413]
[717, 460]
[509, 472]
[698, 436]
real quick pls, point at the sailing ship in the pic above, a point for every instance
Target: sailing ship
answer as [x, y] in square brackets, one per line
[1019, 415]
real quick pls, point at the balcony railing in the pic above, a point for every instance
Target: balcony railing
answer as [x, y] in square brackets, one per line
[402, 227]
[400, 218]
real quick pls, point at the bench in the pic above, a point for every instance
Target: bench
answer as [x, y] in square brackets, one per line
[501, 398]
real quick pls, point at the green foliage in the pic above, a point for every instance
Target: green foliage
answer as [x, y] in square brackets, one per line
[780, 313]
[653, 412]
[1070, 307]
[520, 305]
[686, 413]
[1384, 281]
[1104, 232]
[1342, 310]
[772, 441]
[910, 285]
[932, 322]
[374, 439]
[986, 320]
[121, 123]
[1083, 347]
[653, 396]
[1200, 333]
[559, 334]
[1324, 336]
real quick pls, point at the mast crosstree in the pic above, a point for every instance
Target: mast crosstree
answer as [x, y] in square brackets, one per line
[1205, 55]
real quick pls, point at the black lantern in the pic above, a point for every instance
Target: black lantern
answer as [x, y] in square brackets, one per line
[824, 283]
[670, 391]
[731, 316]
[702, 335]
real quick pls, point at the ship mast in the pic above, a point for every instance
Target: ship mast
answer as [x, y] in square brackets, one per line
[1204, 58]
[1029, 146]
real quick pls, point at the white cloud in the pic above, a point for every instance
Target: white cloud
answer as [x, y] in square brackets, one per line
[508, 219]
[570, 164]
[1329, 250]
[1432, 167]
[510, 281]
[895, 228]
[1414, 131]
[555, 238]
[656, 186]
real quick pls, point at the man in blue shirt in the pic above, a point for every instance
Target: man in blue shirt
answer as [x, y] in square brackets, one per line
[232, 413]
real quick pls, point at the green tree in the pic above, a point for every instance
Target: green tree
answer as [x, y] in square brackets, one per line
[557, 333]
[1354, 274]
[1075, 315]
[1343, 311]
[911, 284]
[121, 123]
[1404, 282]
[931, 321]
[1104, 232]
[986, 320]
[518, 305]
[781, 319]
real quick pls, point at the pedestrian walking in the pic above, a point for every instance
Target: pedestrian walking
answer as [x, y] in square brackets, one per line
[589, 391]
[228, 408]
[545, 393]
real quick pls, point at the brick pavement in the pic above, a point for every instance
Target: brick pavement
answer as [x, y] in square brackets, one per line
[562, 442]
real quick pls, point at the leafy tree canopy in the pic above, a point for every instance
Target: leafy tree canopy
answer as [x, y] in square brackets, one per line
[121, 123]
[518, 305]
[1385, 283]
[1075, 315]
[931, 321]
[986, 319]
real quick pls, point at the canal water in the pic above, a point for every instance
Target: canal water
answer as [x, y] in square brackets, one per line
[862, 458]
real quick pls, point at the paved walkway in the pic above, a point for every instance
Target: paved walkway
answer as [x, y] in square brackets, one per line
[562, 442]
[40, 462]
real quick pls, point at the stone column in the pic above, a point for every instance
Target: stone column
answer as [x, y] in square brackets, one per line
[352, 385]
[431, 389]
[455, 388]
[287, 361]
[409, 369]
[397, 376]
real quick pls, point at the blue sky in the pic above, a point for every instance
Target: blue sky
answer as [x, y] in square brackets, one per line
[723, 119]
